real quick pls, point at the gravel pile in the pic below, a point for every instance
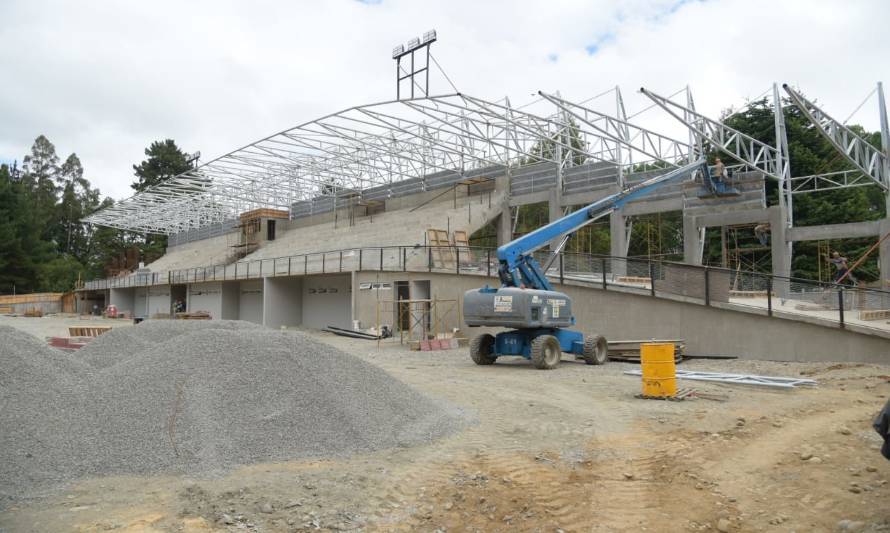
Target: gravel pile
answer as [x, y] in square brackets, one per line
[198, 400]
[122, 343]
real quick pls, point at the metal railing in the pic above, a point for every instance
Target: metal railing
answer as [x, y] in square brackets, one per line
[754, 292]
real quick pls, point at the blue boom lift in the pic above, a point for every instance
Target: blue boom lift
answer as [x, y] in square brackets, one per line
[526, 300]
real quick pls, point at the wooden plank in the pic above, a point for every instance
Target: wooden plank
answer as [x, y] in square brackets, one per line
[462, 243]
[441, 251]
[88, 331]
[264, 213]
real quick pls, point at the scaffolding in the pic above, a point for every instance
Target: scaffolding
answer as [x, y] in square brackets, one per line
[419, 319]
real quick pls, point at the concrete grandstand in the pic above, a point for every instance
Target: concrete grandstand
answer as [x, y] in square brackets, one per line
[315, 225]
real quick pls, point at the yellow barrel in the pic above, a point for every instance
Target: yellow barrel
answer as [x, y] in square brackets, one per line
[659, 370]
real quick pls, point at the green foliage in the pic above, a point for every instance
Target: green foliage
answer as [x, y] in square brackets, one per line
[59, 274]
[569, 139]
[45, 244]
[810, 154]
[661, 235]
[22, 251]
[164, 161]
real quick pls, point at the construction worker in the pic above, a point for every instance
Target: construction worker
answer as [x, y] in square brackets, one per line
[761, 231]
[842, 268]
[719, 170]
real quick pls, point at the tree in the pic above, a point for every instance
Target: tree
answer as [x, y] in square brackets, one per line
[164, 161]
[546, 149]
[41, 170]
[811, 154]
[23, 250]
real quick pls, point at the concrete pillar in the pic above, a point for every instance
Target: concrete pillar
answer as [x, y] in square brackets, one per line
[554, 205]
[505, 225]
[692, 245]
[781, 250]
[505, 220]
[884, 251]
[618, 241]
[230, 300]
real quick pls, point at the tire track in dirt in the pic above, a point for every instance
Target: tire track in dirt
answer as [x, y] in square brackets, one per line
[519, 491]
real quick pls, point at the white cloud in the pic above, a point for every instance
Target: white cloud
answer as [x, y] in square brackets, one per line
[105, 78]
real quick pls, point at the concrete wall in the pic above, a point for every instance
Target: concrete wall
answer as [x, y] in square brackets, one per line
[159, 301]
[282, 302]
[140, 302]
[205, 297]
[230, 300]
[250, 301]
[327, 300]
[707, 330]
[122, 299]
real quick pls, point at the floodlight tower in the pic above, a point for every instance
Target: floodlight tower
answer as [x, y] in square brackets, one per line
[415, 45]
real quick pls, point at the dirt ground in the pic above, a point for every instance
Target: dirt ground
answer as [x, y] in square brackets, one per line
[564, 450]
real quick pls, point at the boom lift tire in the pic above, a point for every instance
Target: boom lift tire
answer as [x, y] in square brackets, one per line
[596, 350]
[545, 352]
[482, 349]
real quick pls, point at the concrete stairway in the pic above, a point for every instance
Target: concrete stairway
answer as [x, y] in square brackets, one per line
[206, 252]
[395, 228]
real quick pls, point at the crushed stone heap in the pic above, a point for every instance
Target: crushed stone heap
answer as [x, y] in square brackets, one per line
[195, 397]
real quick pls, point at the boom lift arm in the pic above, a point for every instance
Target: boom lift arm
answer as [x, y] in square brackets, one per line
[518, 268]
[539, 317]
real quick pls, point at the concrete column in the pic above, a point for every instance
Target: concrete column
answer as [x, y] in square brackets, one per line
[781, 250]
[884, 251]
[691, 241]
[505, 221]
[618, 241]
[505, 225]
[230, 300]
[554, 205]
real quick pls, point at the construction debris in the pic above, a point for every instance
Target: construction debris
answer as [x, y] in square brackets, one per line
[682, 394]
[185, 397]
[88, 331]
[355, 334]
[194, 315]
[629, 351]
[738, 379]
[68, 343]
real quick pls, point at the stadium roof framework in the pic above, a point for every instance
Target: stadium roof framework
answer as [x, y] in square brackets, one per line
[374, 145]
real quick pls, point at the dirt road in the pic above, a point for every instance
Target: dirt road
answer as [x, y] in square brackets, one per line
[570, 449]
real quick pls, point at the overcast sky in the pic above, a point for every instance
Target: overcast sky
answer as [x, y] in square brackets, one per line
[106, 78]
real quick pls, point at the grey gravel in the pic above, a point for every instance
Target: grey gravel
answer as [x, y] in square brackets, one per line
[122, 343]
[195, 399]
